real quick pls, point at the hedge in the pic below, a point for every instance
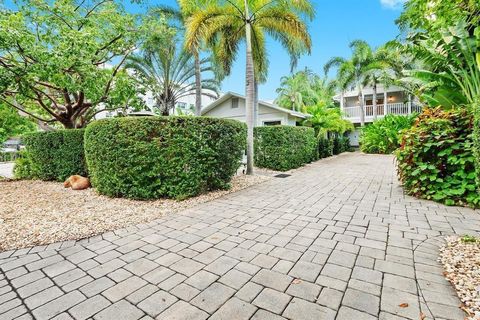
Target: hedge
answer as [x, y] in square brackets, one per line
[52, 155]
[284, 147]
[436, 158]
[153, 157]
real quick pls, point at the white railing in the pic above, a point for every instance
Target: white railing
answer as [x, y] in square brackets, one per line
[382, 110]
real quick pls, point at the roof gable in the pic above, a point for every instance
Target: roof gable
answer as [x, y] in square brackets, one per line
[230, 95]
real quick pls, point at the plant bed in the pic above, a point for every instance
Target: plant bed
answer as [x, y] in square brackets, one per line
[39, 213]
[461, 260]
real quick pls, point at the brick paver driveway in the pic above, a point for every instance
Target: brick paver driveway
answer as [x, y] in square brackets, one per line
[336, 240]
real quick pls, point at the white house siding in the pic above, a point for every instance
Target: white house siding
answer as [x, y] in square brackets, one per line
[225, 110]
[354, 137]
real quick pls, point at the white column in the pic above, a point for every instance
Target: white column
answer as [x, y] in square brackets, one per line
[342, 102]
[385, 97]
[409, 104]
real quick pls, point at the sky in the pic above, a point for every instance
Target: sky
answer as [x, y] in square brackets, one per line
[336, 24]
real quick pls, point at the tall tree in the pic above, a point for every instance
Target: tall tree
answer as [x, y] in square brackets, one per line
[298, 90]
[223, 24]
[187, 7]
[60, 60]
[168, 72]
[351, 72]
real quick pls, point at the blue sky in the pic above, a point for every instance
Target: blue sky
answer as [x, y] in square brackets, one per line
[336, 24]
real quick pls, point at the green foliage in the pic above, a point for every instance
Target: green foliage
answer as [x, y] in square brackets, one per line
[53, 155]
[303, 89]
[436, 158]
[12, 124]
[383, 135]
[163, 65]
[284, 147]
[469, 239]
[23, 166]
[325, 147]
[326, 119]
[340, 144]
[153, 157]
[60, 60]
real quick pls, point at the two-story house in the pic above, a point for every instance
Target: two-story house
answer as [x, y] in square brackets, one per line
[390, 100]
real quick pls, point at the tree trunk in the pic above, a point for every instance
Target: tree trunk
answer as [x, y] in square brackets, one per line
[198, 85]
[362, 107]
[255, 108]
[249, 94]
[374, 100]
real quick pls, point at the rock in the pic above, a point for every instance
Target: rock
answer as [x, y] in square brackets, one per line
[77, 183]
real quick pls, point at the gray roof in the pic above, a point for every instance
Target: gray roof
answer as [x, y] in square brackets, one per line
[229, 95]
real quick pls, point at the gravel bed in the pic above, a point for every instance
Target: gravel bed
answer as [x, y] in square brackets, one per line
[461, 261]
[38, 213]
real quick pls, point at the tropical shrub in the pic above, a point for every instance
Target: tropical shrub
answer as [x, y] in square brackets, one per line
[325, 147]
[284, 147]
[340, 144]
[153, 157]
[436, 157]
[52, 155]
[383, 135]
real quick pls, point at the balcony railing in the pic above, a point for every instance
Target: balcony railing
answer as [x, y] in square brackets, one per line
[382, 110]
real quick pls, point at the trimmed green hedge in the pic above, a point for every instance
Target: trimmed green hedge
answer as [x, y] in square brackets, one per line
[152, 157]
[284, 147]
[52, 155]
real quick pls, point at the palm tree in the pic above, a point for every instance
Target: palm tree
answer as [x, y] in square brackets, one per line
[169, 74]
[297, 90]
[186, 8]
[223, 24]
[351, 72]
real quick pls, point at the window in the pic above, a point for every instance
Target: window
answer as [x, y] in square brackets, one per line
[234, 103]
[272, 123]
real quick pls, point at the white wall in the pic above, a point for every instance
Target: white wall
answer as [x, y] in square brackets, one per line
[225, 110]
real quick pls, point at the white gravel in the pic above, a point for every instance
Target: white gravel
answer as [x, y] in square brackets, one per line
[38, 213]
[461, 261]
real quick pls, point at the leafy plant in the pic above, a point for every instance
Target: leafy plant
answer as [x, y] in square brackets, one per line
[60, 60]
[436, 157]
[469, 239]
[284, 147]
[383, 135]
[53, 155]
[153, 157]
[12, 124]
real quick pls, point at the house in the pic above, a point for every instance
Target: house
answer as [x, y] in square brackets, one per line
[390, 100]
[232, 106]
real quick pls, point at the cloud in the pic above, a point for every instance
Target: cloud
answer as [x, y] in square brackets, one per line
[392, 4]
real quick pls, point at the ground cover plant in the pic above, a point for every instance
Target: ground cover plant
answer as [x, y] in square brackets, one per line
[436, 157]
[154, 157]
[383, 135]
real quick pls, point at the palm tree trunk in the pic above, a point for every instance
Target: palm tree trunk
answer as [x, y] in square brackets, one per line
[255, 108]
[249, 94]
[374, 100]
[362, 107]
[198, 85]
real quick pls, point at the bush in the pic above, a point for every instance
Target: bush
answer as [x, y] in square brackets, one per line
[52, 155]
[436, 158]
[383, 135]
[325, 147]
[340, 144]
[284, 147]
[153, 157]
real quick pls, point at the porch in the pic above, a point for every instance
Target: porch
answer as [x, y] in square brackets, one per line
[352, 113]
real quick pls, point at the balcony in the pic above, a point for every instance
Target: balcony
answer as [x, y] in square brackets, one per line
[353, 113]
